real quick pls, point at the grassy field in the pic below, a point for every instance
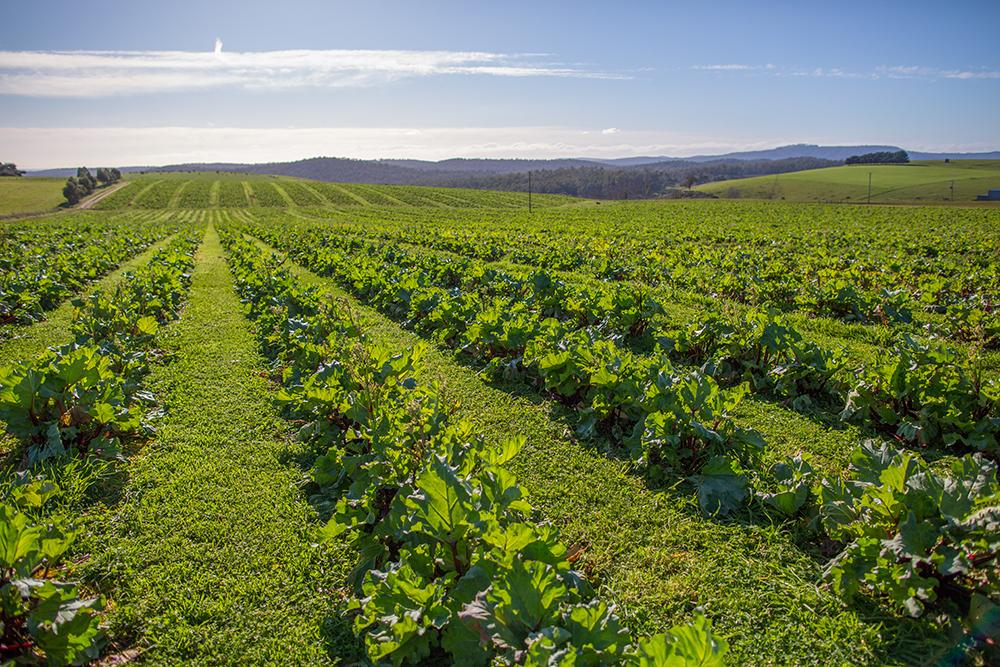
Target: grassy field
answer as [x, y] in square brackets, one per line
[30, 195]
[918, 182]
[179, 190]
[215, 540]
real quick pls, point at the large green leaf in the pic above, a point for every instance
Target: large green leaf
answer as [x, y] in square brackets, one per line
[442, 503]
[722, 487]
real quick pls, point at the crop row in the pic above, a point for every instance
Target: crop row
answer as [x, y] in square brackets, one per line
[121, 198]
[173, 192]
[301, 194]
[452, 564]
[812, 267]
[159, 196]
[232, 194]
[197, 194]
[83, 397]
[921, 393]
[334, 194]
[674, 420]
[266, 194]
[42, 265]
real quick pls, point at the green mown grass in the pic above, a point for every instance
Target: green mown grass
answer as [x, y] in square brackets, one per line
[650, 550]
[918, 182]
[209, 559]
[30, 195]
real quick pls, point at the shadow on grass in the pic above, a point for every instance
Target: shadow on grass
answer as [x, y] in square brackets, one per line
[337, 628]
[85, 480]
[906, 640]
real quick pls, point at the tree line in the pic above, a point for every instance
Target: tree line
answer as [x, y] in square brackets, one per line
[881, 157]
[10, 169]
[79, 186]
[645, 182]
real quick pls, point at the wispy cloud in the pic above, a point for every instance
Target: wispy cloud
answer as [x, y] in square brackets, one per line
[919, 72]
[880, 72]
[733, 67]
[727, 67]
[107, 73]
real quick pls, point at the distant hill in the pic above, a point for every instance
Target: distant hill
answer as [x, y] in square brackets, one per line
[348, 170]
[489, 166]
[917, 182]
[406, 171]
[646, 176]
[635, 161]
[991, 155]
[835, 153]
[641, 181]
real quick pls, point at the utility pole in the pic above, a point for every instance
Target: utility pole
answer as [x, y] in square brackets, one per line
[529, 191]
[869, 187]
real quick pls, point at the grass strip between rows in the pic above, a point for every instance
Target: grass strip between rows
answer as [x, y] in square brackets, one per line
[71, 410]
[32, 339]
[209, 558]
[452, 568]
[652, 551]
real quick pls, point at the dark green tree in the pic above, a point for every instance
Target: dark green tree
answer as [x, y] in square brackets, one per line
[74, 191]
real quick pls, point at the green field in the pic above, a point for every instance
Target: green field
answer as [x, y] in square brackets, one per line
[30, 195]
[918, 182]
[178, 190]
[311, 423]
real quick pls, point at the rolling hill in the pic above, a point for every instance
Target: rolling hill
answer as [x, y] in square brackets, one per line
[921, 181]
[19, 195]
[403, 171]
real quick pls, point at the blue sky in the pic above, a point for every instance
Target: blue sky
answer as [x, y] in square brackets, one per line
[148, 83]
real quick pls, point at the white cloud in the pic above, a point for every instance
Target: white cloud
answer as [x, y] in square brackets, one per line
[39, 148]
[883, 71]
[919, 72]
[610, 130]
[105, 73]
[727, 67]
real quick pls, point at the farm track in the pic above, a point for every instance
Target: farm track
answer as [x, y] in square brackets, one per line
[650, 549]
[351, 193]
[283, 194]
[88, 203]
[319, 196]
[210, 553]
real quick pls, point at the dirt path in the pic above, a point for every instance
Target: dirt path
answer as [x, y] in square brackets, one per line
[101, 195]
